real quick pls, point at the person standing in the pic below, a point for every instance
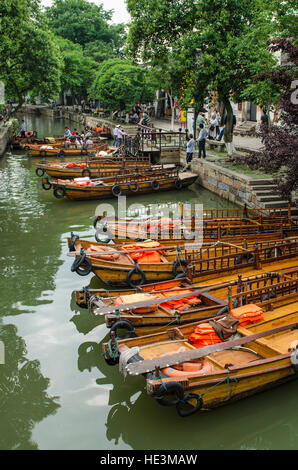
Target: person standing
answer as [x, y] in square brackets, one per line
[115, 135]
[23, 129]
[67, 132]
[200, 120]
[120, 136]
[202, 141]
[89, 143]
[217, 123]
[190, 148]
[212, 127]
[264, 125]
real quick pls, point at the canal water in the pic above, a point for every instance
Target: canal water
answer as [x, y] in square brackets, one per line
[56, 391]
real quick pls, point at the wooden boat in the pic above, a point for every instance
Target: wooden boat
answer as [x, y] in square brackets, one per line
[211, 215]
[179, 229]
[128, 184]
[58, 151]
[259, 356]
[199, 265]
[94, 167]
[57, 143]
[19, 142]
[88, 297]
[150, 311]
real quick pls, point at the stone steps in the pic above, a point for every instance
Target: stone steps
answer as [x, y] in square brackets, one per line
[261, 182]
[268, 187]
[271, 198]
[275, 204]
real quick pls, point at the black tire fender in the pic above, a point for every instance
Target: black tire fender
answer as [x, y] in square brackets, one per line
[123, 324]
[86, 172]
[135, 270]
[46, 186]
[78, 262]
[107, 234]
[184, 413]
[178, 184]
[39, 171]
[155, 185]
[133, 187]
[116, 190]
[73, 240]
[169, 387]
[176, 264]
[59, 192]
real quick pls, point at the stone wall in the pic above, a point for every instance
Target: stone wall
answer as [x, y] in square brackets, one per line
[4, 137]
[227, 184]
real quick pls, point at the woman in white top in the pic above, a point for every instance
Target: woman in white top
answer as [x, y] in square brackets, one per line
[212, 127]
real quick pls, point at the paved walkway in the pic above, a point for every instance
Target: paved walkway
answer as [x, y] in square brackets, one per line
[243, 142]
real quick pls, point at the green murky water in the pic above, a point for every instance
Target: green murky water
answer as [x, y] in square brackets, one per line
[56, 391]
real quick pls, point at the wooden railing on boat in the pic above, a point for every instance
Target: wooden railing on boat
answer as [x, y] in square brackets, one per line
[267, 295]
[236, 213]
[261, 254]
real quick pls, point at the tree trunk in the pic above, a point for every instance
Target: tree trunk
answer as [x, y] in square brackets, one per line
[195, 116]
[228, 137]
[173, 110]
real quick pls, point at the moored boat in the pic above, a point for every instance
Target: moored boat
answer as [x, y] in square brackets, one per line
[236, 223]
[49, 150]
[135, 267]
[94, 168]
[129, 184]
[90, 298]
[145, 313]
[205, 365]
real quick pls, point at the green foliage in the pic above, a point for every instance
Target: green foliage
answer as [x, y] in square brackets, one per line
[223, 42]
[78, 71]
[14, 128]
[83, 22]
[28, 53]
[119, 85]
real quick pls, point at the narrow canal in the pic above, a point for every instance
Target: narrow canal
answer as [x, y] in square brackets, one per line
[56, 391]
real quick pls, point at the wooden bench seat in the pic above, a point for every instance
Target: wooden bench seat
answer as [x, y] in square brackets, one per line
[215, 144]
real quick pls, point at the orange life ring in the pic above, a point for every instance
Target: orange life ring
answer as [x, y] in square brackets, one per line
[189, 369]
[106, 257]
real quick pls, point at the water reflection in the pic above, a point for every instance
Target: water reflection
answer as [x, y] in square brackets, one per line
[223, 428]
[84, 320]
[24, 400]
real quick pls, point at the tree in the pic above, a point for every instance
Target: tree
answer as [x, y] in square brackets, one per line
[78, 71]
[229, 37]
[27, 51]
[280, 155]
[167, 75]
[119, 85]
[83, 22]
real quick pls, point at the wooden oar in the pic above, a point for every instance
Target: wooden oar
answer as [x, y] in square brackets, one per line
[148, 365]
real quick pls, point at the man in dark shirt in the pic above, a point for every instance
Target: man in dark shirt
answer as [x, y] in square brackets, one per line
[264, 125]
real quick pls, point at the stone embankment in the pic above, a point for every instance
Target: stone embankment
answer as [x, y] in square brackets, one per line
[4, 136]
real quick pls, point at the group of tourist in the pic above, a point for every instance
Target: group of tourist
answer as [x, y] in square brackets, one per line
[213, 133]
[214, 124]
[81, 140]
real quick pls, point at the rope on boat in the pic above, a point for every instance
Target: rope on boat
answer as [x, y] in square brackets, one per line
[124, 358]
